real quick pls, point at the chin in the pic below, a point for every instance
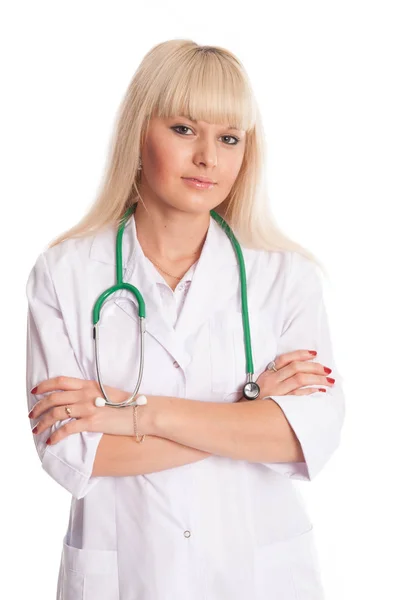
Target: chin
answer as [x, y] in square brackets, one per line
[196, 208]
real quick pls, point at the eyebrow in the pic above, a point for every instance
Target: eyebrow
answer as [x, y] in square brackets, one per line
[195, 121]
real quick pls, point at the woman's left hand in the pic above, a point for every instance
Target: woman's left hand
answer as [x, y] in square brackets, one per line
[79, 395]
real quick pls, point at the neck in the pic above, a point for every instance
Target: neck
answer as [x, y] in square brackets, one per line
[168, 235]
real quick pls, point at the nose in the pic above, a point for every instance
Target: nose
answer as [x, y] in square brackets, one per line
[207, 158]
[206, 153]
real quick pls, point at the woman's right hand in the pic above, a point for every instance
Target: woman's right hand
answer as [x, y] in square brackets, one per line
[293, 372]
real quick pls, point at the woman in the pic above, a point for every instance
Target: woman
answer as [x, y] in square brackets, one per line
[205, 506]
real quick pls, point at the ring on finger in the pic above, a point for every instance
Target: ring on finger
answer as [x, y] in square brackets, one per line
[271, 366]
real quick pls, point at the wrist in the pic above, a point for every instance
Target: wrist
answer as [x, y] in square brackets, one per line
[145, 414]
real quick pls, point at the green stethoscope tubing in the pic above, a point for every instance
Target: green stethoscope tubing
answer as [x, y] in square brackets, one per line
[251, 389]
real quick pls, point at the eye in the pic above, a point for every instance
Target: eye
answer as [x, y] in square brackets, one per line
[236, 140]
[233, 138]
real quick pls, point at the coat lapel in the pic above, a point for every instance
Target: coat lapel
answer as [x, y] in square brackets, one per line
[215, 281]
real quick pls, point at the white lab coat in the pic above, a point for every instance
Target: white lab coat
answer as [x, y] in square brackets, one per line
[219, 528]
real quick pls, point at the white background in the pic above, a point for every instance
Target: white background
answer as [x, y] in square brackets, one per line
[327, 79]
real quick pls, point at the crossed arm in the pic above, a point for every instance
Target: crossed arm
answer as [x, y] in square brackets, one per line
[122, 456]
[186, 436]
[187, 431]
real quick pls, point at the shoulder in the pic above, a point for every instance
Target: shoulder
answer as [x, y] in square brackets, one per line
[68, 252]
[74, 252]
[304, 280]
[290, 263]
[304, 271]
[61, 264]
[261, 261]
[288, 271]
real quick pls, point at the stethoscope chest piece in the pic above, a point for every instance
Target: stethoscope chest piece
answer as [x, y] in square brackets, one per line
[251, 390]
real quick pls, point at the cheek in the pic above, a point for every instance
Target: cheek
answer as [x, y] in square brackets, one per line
[158, 166]
[230, 173]
[166, 161]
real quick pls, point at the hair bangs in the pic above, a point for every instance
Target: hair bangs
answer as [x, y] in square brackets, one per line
[211, 90]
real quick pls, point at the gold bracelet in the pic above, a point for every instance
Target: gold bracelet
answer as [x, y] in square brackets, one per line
[139, 441]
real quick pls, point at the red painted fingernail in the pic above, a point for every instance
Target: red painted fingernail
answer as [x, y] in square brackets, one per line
[33, 390]
[34, 430]
[330, 379]
[48, 442]
[322, 389]
[312, 352]
[327, 370]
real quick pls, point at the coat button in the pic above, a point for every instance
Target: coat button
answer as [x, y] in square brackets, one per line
[187, 534]
[175, 363]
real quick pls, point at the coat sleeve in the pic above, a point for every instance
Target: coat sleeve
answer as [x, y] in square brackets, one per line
[315, 418]
[49, 354]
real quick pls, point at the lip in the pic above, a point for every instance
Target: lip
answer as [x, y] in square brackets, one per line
[201, 179]
[198, 185]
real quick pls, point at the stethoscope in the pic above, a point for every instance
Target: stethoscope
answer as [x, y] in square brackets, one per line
[251, 389]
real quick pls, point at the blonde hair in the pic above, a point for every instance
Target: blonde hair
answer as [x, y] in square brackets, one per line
[179, 77]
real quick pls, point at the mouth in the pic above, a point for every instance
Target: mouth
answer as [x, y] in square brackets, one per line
[201, 180]
[198, 183]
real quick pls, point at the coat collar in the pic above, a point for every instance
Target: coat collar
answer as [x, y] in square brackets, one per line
[214, 282]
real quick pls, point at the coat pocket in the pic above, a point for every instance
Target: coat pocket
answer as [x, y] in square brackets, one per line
[288, 569]
[88, 574]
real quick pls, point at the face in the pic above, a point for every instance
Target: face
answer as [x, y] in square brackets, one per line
[176, 148]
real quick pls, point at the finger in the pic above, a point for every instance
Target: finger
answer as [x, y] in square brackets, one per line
[56, 399]
[298, 366]
[288, 357]
[59, 383]
[303, 379]
[58, 414]
[74, 426]
[309, 390]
